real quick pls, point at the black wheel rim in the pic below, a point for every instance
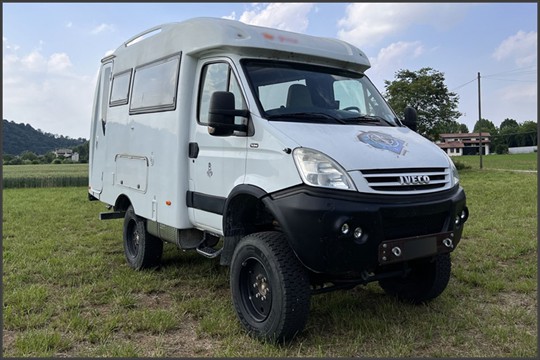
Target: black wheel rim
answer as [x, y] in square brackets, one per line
[133, 239]
[255, 289]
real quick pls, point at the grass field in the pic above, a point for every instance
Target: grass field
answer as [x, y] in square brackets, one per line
[501, 162]
[68, 292]
[52, 175]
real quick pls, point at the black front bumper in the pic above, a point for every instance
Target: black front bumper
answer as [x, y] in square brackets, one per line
[313, 220]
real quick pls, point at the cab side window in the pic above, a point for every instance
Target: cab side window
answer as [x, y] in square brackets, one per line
[218, 77]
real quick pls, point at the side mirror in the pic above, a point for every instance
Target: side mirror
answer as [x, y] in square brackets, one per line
[411, 118]
[221, 115]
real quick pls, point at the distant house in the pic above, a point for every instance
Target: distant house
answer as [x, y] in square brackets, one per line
[63, 153]
[67, 154]
[464, 143]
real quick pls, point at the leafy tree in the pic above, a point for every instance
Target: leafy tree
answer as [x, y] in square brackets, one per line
[484, 125]
[7, 158]
[508, 123]
[463, 128]
[28, 155]
[528, 134]
[49, 157]
[451, 127]
[425, 91]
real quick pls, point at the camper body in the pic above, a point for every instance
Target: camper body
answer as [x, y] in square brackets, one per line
[273, 151]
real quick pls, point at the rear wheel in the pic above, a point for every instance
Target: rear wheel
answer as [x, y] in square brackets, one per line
[142, 250]
[270, 288]
[427, 280]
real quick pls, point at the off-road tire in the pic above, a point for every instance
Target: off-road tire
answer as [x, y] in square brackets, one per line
[263, 265]
[427, 280]
[141, 249]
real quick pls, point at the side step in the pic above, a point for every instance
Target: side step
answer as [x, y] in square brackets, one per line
[112, 215]
[208, 251]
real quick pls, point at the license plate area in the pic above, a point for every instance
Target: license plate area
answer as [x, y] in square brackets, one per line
[398, 250]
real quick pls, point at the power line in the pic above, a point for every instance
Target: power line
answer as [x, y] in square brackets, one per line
[513, 71]
[460, 86]
[518, 80]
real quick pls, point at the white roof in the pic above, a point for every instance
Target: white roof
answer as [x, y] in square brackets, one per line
[199, 36]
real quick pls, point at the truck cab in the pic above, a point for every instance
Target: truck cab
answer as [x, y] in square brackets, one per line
[275, 153]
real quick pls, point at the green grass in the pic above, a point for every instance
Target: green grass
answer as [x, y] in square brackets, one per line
[68, 292]
[505, 162]
[52, 175]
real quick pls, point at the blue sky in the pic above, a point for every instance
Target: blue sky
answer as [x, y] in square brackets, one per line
[52, 51]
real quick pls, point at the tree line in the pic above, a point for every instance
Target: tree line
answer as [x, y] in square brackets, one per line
[29, 157]
[22, 144]
[509, 134]
[436, 106]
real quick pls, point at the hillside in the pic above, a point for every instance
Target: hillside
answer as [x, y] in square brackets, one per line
[23, 137]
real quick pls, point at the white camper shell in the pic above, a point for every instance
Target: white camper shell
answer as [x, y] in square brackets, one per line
[273, 151]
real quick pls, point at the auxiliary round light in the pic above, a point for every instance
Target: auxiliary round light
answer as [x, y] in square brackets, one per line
[358, 233]
[457, 220]
[345, 229]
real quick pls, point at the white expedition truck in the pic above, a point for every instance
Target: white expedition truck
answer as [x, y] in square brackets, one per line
[273, 151]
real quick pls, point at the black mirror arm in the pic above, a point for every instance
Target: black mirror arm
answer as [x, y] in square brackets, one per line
[242, 113]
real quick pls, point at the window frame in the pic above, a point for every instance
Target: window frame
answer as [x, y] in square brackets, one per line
[230, 75]
[122, 101]
[156, 108]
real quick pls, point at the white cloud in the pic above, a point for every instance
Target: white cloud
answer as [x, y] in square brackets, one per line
[58, 62]
[102, 28]
[369, 23]
[519, 92]
[515, 101]
[393, 54]
[230, 17]
[45, 91]
[284, 16]
[7, 46]
[393, 57]
[34, 61]
[521, 48]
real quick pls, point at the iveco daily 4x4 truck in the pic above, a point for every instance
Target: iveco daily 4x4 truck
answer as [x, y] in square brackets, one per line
[274, 152]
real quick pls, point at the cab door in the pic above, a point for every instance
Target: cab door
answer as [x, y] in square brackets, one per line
[98, 131]
[217, 163]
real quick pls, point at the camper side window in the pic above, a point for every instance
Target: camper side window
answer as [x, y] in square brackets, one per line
[120, 88]
[218, 77]
[155, 85]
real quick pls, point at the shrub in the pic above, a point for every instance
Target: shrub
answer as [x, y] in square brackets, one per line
[460, 165]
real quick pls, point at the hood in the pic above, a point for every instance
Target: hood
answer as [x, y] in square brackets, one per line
[359, 147]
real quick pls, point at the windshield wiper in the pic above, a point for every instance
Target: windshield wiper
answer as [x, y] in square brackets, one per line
[369, 119]
[305, 116]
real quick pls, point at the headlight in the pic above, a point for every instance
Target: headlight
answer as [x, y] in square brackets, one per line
[317, 169]
[453, 172]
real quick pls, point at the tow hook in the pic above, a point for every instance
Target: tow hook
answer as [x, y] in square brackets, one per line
[448, 243]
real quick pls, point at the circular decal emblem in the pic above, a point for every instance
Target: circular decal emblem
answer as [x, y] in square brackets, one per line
[381, 141]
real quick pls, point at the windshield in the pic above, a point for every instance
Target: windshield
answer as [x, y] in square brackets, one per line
[300, 92]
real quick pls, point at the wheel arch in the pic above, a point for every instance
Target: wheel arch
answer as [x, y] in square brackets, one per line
[244, 213]
[122, 203]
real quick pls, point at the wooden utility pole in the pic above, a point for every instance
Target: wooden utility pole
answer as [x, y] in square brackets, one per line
[479, 120]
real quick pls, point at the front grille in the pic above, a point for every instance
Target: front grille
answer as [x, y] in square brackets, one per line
[407, 181]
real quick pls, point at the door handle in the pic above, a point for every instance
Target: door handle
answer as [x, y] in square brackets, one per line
[193, 151]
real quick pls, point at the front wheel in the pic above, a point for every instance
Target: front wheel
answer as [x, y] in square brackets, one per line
[270, 288]
[142, 250]
[427, 279]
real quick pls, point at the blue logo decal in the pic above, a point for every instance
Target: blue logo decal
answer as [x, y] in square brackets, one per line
[381, 141]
